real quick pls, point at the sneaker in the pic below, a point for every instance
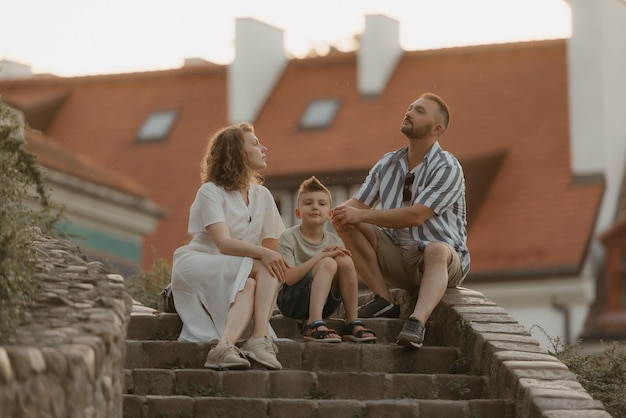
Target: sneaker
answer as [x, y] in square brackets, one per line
[379, 307]
[412, 334]
[226, 356]
[263, 351]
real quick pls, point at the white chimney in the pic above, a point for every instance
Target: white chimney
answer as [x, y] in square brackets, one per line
[378, 54]
[596, 59]
[260, 59]
[13, 70]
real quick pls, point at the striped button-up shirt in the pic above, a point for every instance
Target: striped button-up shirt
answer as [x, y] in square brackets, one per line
[439, 184]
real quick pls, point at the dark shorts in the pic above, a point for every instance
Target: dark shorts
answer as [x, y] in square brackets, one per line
[293, 301]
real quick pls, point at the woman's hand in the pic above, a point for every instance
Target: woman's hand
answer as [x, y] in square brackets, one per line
[275, 263]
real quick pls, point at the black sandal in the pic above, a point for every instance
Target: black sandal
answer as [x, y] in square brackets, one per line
[313, 334]
[357, 337]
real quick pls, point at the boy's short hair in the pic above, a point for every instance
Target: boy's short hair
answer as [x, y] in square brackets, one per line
[312, 184]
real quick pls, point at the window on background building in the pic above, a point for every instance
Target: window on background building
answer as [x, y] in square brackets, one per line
[319, 114]
[157, 126]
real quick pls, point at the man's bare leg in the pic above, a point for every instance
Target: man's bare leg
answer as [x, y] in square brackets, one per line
[361, 241]
[434, 280]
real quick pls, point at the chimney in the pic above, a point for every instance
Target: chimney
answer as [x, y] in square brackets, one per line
[11, 70]
[378, 54]
[260, 59]
[596, 62]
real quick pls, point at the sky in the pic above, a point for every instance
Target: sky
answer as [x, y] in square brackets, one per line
[86, 37]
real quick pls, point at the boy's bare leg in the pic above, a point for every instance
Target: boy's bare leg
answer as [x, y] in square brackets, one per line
[348, 289]
[323, 274]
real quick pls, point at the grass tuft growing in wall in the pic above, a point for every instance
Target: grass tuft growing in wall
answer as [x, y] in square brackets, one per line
[24, 207]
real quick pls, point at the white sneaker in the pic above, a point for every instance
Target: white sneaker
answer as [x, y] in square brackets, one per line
[263, 351]
[226, 356]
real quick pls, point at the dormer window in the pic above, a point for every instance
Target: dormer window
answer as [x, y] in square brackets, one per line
[319, 114]
[157, 126]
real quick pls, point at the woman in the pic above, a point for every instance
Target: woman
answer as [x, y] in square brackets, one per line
[225, 281]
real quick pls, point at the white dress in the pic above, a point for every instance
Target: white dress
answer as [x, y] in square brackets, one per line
[205, 281]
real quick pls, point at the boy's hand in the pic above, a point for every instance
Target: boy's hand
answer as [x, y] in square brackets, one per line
[337, 250]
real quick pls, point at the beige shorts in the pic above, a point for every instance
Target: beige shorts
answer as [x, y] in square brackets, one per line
[404, 268]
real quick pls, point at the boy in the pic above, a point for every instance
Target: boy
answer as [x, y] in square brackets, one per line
[322, 272]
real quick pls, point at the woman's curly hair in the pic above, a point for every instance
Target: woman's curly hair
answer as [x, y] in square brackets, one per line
[225, 162]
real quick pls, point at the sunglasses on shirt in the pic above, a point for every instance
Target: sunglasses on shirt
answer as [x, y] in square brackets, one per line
[407, 195]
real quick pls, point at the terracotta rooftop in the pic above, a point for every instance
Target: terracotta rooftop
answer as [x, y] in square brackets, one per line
[509, 129]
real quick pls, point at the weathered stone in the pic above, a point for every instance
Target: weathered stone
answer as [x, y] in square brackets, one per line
[58, 365]
[6, 372]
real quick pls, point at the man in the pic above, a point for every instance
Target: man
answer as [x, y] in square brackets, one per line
[406, 225]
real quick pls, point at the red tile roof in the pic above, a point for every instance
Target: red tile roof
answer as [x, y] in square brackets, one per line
[509, 121]
[51, 155]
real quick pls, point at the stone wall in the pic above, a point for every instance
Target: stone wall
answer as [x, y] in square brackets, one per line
[69, 361]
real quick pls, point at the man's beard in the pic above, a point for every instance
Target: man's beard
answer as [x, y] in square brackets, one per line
[416, 133]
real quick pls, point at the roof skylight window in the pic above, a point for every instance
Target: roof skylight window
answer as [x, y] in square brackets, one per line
[157, 125]
[319, 114]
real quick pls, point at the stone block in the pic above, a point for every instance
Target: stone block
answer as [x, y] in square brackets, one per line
[141, 327]
[290, 354]
[291, 383]
[169, 406]
[511, 371]
[376, 358]
[332, 357]
[575, 414]
[56, 363]
[331, 408]
[461, 386]
[246, 383]
[353, 385]
[514, 328]
[536, 407]
[174, 354]
[134, 355]
[491, 408]
[414, 386]
[198, 382]
[405, 408]
[169, 326]
[443, 408]
[153, 382]
[6, 371]
[230, 407]
[292, 408]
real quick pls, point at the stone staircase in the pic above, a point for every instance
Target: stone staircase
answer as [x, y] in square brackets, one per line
[477, 362]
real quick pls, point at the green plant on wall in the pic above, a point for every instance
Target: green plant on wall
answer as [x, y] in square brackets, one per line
[145, 286]
[21, 180]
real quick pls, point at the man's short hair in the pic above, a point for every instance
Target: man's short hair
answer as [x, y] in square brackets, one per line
[444, 110]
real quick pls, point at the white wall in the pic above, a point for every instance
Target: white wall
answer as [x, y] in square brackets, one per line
[597, 87]
[531, 303]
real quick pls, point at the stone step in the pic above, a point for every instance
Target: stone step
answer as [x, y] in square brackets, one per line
[167, 326]
[294, 384]
[293, 355]
[138, 406]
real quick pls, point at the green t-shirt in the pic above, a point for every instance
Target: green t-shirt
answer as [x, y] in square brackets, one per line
[297, 250]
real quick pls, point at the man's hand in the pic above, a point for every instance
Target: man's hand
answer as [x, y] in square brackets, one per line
[344, 216]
